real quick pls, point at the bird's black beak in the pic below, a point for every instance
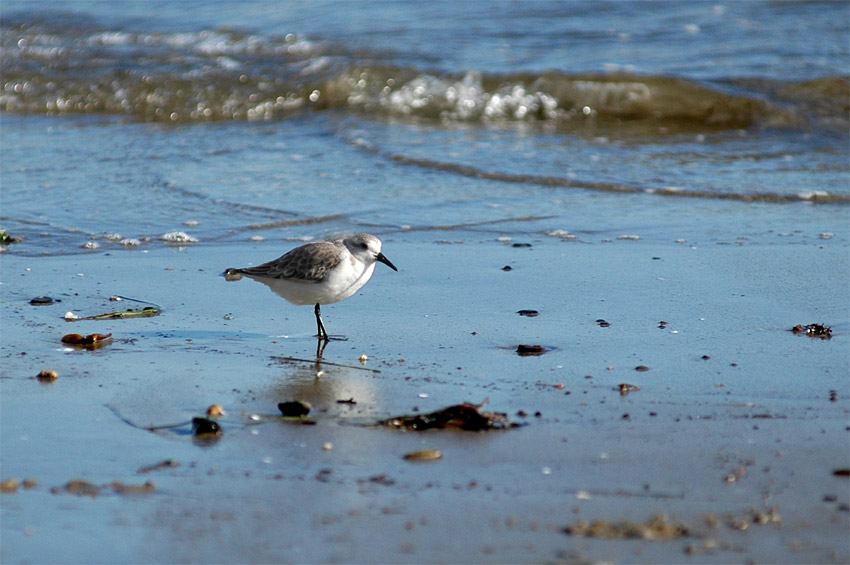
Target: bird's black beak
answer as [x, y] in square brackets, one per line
[380, 257]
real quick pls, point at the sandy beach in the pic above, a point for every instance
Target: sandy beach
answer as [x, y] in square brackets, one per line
[727, 446]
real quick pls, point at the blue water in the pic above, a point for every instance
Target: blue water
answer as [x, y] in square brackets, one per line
[219, 118]
[703, 39]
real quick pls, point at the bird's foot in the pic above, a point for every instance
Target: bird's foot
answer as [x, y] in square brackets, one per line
[327, 338]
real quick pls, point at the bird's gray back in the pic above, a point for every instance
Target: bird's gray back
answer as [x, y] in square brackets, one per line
[309, 263]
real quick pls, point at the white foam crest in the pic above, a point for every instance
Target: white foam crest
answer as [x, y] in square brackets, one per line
[40, 52]
[178, 237]
[316, 65]
[515, 102]
[113, 38]
[227, 62]
[299, 46]
[467, 97]
[812, 194]
[416, 94]
[214, 43]
[467, 100]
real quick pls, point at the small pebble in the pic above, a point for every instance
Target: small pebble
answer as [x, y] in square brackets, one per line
[364, 358]
[41, 301]
[205, 427]
[424, 455]
[294, 408]
[641, 368]
[47, 375]
[215, 411]
[9, 486]
[525, 350]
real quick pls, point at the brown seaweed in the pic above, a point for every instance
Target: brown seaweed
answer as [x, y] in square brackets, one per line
[465, 416]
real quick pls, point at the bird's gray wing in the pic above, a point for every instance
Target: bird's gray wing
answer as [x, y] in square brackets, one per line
[309, 263]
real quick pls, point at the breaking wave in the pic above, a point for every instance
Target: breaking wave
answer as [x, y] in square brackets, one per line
[221, 74]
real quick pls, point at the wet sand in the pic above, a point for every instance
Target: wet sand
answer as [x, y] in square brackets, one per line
[733, 434]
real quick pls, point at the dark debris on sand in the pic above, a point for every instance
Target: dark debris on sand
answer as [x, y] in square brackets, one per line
[465, 416]
[813, 330]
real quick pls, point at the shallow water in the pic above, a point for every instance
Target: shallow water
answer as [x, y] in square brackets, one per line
[133, 124]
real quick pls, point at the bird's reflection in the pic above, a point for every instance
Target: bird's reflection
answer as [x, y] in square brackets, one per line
[330, 388]
[320, 350]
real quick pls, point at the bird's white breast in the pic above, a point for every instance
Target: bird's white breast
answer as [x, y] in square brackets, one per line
[341, 282]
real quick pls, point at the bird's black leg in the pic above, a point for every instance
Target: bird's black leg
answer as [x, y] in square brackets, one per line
[323, 334]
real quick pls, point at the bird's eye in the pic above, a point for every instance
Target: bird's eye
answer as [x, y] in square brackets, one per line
[364, 246]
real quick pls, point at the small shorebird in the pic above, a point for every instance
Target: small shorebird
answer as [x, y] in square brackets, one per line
[319, 273]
